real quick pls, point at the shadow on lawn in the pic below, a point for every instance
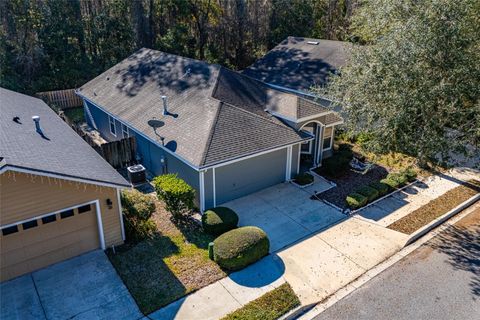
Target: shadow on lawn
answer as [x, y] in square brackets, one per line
[143, 270]
[463, 249]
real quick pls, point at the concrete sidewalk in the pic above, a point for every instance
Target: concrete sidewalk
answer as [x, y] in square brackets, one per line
[222, 297]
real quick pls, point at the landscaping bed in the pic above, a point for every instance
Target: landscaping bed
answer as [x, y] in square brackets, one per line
[436, 208]
[270, 306]
[348, 183]
[167, 266]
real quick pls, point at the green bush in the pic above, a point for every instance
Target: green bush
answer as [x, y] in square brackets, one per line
[137, 205]
[336, 165]
[219, 220]
[399, 177]
[177, 195]
[368, 192]
[382, 188]
[393, 184]
[355, 200]
[303, 178]
[240, 247]
[137, 230]
[137, 209]
[411, 174]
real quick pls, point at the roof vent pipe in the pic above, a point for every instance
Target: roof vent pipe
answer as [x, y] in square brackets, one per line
[36, 119]
[165, 110]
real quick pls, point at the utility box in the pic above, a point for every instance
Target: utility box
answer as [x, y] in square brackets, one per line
[137, 174]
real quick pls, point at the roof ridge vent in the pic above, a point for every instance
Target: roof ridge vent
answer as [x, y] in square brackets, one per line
[313, 43]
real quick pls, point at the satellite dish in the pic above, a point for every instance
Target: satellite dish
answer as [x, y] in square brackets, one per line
[154, 123]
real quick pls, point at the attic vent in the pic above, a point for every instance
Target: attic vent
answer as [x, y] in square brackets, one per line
[313, 43]
[165, 109]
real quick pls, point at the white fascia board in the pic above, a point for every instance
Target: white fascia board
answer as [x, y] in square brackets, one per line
[59, 176]
[141, 133]
[221, 164]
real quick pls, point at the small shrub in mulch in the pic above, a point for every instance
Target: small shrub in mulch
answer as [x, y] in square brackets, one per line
[303, 179]
[356, 200]
[270, 306]
[338, 164]
[219, 220]
[368, 192]
[238, 248]
[382, 188]
[348, 183]
[436, 208]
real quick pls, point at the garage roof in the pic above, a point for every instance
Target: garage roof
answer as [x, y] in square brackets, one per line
[57, 150]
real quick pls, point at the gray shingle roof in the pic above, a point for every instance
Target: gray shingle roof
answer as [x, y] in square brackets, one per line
[206, 99]
[60, 151]
[298, 65]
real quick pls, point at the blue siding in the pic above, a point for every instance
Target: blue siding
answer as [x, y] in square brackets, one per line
[149, 153]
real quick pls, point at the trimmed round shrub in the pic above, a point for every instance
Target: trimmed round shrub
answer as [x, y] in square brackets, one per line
[356, 200]
[393, 184]
[400, 178]
[382, 188]
[368, 192]
[219, 220]
[236, 249]
[303, 178]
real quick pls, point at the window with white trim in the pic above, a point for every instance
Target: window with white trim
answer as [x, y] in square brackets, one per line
[327, 138]
[125, 132]
[113, 129]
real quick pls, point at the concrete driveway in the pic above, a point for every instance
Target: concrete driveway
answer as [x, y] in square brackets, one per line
[320, 248]
[286, 212]
[85, 287]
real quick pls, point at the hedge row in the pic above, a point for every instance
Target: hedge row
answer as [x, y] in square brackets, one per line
[368, 193]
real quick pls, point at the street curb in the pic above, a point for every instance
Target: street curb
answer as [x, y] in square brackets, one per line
[435, 223]
[382, 266]
[297, 312]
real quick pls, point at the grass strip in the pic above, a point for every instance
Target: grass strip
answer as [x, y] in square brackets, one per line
[270, 306]
[436, 208]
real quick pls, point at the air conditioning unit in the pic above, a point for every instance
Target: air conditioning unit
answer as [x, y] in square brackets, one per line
[137, 174]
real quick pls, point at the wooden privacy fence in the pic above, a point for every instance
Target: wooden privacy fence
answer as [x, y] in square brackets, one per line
[119, 154]
[62, 99]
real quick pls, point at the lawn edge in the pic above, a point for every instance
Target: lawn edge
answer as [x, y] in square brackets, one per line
[438, 221]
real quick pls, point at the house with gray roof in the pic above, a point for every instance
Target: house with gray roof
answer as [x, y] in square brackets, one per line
[298, 64]
[58, 197]
[224, 132]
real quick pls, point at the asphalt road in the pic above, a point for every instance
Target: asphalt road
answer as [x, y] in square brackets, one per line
[439, 280]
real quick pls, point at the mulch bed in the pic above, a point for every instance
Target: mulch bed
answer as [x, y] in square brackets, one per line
[436, 208]
[348, 182]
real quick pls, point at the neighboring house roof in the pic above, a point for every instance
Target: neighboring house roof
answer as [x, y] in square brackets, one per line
[220, 115]
[300, 63]
[58, 151]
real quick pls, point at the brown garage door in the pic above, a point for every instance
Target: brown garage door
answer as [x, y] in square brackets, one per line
[40, 242]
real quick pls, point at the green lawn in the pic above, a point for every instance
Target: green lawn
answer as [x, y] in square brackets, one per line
[174, 263]
[270, 306]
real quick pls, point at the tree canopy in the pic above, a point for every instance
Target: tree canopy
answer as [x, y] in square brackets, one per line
[415, 87]
[60, 44]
